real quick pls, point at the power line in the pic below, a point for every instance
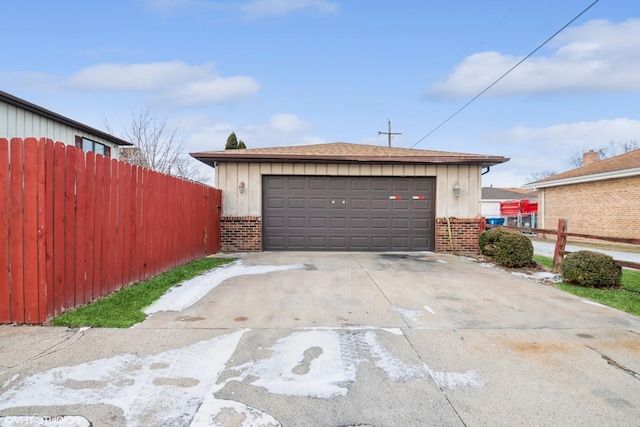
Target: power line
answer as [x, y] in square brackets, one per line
[505, 74]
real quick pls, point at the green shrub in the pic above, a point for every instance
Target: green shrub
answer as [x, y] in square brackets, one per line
[513, 250]
[587, 268]
[488, 240]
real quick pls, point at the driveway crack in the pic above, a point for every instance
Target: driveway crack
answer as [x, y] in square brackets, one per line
[70, 340]
[615, 364]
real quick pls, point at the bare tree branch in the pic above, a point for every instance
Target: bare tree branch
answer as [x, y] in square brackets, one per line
[155, 147]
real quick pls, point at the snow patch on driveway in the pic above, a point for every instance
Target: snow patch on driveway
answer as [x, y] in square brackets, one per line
[323, 364]
[190, 292]
[162, 389]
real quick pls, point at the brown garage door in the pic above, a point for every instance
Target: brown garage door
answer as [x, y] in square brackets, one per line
[348, 213]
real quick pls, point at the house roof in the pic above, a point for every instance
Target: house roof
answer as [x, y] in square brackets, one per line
[624, 165]
[342, 152]
[21, 103]
[494, 193]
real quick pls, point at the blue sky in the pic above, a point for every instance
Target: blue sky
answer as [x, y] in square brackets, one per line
[292, 72]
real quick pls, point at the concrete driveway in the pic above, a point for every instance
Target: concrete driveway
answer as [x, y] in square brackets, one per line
[337, 339]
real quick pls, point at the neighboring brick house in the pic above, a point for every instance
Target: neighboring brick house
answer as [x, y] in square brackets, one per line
[341, 197]
[22, 119]
[600, 198]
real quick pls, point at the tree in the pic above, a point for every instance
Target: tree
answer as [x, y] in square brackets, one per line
[613, 149]
[233, 143]
[156, 147]
[540, 175]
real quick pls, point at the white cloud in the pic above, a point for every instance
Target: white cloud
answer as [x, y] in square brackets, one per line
[599, 56]
[269, 8]
[181, 6]
[173, 81]
[551, 148]
[287, 123]
[204, 134]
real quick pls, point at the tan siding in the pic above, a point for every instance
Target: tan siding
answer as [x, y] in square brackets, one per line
[228, 176]
[604, 208]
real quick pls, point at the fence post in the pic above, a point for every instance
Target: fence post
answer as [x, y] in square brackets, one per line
[561, 241]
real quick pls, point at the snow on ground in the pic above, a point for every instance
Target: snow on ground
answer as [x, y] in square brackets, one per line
[410, 316]
[188, 293]
[178, 387]
[161, 389]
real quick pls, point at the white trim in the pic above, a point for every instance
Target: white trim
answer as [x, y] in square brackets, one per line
[585, 178]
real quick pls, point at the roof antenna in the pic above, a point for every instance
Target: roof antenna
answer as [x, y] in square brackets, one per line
[389, 133]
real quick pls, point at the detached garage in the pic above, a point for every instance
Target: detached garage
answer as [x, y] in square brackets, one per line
[348, 197]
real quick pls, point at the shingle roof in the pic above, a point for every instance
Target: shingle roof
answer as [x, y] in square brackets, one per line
[629, 162]
[21, 103]
[493, 193]
[342, 152]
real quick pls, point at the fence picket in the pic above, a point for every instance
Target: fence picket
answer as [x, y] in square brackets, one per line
[16, 223]
[30, 230]
[75, 227]
[5, 294]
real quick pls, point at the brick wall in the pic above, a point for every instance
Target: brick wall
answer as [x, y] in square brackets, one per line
[464, 235]
[603, 208]
[241, 234]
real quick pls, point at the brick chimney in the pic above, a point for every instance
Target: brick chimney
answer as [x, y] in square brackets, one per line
[590, 157]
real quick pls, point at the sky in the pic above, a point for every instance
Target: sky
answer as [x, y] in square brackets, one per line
[294, 72]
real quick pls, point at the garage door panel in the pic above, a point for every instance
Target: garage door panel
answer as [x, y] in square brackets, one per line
[422, 205]
[359, 223]
[296, 242]
[275, 202]
[360, 184]
[319, 183]
[377, 204]
[316, 203]
[317, 222]
[275, 222]
[295, 183]
[401, 185]
[338, 242]
[421, 224]
[400, 224]
[348, 213]
[275, 242]
[359, 204]
[400, 205]
[380, 184]
[296, 203]
[338, 184]
[296, 222]
[317, 242]
[381, 223]
[338, 223]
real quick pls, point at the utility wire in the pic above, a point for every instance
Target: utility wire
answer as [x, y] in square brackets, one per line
[505, 74]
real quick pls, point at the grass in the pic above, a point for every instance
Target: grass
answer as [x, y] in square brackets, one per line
[124, 308]
[626, 299]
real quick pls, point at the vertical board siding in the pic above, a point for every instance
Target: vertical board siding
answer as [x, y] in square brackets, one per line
[75, 227]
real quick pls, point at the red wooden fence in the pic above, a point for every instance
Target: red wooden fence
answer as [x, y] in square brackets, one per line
[76, 227]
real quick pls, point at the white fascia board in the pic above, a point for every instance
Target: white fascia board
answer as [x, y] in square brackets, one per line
[586, 178]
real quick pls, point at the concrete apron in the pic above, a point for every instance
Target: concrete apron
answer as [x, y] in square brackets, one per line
[339, 339]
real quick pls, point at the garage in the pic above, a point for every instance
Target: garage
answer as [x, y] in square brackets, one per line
[348, 197]
[333, 213]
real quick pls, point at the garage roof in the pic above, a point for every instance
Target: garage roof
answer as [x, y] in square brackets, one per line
[342, 152]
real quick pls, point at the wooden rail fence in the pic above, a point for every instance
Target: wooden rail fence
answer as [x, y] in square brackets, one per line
[561, 234]
[75, 227]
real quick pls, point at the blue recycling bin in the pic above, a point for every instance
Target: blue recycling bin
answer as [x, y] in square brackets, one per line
[495, 221]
